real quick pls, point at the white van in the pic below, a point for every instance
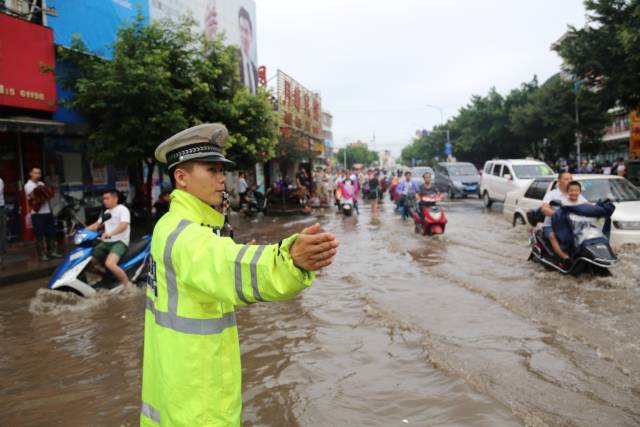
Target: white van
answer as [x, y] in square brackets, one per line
[501, 176]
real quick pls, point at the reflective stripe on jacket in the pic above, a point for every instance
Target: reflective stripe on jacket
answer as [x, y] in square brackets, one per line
[191, 368]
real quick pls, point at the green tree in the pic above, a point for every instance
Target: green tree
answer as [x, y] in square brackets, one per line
[358, 154]
[163, 78]
[546, 123]
[606, 52]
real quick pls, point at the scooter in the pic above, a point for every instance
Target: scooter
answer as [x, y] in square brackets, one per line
[346, 206]
[433, 220]
[70, 276]
[590, 249]
[253, 203]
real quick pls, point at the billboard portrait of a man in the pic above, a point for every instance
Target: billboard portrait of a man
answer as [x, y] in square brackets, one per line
[248, 70]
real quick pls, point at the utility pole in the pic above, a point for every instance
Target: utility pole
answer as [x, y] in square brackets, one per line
[576, 88]
[345, 156]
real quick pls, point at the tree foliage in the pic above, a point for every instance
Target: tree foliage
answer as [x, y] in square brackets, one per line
[356, 154]
[606, 52]
[531, 120]
[163, 78]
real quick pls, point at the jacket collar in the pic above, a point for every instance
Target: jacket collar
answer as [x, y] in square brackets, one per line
[190, 207]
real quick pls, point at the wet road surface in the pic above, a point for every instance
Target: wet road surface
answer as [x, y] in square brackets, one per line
[402, 329]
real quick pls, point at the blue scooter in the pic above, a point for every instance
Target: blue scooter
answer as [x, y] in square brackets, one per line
[70, 276]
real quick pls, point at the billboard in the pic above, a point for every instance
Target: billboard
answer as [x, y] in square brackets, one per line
[299, 108]
[27, 64]
[97, 22]
[236, 19]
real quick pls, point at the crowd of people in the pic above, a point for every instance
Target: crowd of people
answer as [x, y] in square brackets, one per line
[617, 167]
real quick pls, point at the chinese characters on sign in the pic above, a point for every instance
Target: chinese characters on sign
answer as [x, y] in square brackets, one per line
[299, 108]
[27, 77]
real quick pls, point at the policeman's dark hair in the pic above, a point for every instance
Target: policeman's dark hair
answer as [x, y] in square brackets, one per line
[243, 14]
[574, 184]
[188, 166]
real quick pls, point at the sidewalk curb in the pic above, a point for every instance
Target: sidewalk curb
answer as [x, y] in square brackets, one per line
[26, 275]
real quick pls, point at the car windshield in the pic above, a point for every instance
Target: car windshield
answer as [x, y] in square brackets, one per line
[462, 170]
[419, 171]
[532, 171]
[616, 189]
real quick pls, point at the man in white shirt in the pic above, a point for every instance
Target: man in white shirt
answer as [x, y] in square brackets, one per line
[560, 193]
[38, 196]
[115, 238]
[3, 222]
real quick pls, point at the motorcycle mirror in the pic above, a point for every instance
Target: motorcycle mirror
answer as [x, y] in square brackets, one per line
[105, 217]
[556, 203]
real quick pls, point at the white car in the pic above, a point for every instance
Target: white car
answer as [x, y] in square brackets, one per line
[502, 176]
[626, 197]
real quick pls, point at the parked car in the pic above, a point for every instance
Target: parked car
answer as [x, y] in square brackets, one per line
[501, 176]
[457, 179]
[626, 197]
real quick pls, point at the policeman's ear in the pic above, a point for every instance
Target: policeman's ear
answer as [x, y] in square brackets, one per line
[181, 174]
[181, 177]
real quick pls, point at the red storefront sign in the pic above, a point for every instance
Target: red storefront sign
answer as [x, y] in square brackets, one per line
[27, 65]
[299, 108]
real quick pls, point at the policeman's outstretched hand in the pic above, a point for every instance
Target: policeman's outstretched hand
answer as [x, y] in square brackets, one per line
[313, 250]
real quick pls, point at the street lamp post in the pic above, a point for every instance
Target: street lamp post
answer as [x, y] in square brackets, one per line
[576, 88]
[441, 120]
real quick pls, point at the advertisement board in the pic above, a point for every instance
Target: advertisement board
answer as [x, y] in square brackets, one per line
[235, 19]
[96, 22]
[634, 137]
[27, 64]
[299, 108]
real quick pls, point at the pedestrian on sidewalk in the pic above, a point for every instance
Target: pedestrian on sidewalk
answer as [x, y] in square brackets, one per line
[191, 366]
[39, 199]
[3, 223]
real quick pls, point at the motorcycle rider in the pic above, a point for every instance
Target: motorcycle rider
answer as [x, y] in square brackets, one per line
[560, 193]
[349, 190]
[115, 239]
[407, 188]
[191, 367]
[426, 189]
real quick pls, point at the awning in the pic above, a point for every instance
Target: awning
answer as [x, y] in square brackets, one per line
[40, 126]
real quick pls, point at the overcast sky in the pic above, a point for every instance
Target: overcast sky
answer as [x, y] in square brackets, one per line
[377, 64]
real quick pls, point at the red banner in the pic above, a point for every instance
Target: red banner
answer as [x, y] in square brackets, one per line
[27, 65]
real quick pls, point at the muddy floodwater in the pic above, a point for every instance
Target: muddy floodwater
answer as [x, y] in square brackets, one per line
[458, 330]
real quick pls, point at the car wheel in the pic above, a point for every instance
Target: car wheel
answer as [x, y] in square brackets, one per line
[487, 200]
[518, 220]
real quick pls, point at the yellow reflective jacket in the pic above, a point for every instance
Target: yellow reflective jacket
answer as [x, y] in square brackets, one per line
[191, 368]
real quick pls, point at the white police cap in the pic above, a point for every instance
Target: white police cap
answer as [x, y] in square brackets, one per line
[202, 143]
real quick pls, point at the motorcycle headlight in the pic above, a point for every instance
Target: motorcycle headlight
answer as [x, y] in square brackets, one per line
[78, 238]
[436, 215]
[627, 225]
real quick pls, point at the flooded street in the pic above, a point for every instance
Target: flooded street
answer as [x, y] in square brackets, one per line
[402, 329]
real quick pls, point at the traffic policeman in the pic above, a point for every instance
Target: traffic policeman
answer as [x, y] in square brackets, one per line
[191, 368]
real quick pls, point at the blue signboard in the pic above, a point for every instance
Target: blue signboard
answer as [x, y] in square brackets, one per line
[95, 21]
[448, 149]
